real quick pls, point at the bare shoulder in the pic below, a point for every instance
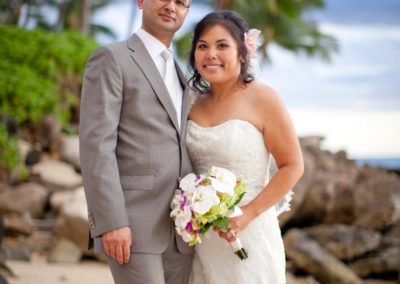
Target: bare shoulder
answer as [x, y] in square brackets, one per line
[197, 103]
[263, 96]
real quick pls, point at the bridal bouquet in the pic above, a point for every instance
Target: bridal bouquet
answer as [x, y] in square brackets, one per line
[205, 200]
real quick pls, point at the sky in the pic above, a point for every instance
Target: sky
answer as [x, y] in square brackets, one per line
[353, 101]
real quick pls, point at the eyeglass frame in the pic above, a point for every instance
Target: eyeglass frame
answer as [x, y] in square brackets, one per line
[176, 2]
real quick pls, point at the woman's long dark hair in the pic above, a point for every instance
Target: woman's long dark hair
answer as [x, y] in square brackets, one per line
[237, 27]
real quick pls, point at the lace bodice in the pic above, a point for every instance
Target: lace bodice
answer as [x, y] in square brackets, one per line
[236, 145]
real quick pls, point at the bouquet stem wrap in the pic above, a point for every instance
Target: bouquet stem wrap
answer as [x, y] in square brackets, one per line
[237, 244]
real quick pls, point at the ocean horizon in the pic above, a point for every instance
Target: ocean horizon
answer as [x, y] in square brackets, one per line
[387, 163]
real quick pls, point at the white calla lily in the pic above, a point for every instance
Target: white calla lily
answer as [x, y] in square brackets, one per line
[205, 198]
[224, 181]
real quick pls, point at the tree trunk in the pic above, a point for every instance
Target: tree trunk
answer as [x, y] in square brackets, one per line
[15, 12]
[85, 17]
[62, 9]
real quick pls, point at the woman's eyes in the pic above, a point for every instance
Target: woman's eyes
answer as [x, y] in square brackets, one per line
[220, 45]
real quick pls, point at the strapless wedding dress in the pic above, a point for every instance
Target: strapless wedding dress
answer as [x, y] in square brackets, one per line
[239, 146]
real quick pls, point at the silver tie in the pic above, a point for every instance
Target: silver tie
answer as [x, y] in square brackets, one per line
[170, 80]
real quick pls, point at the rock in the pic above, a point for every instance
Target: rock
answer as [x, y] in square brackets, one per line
[344, 241]
[378, 198]
[69, 151]
[58, 199]
[391, 237]
[17, 251]
[310, 257]
[34, 155]
[377, 281]
[16, 225]
[49, 129]
[26, 198]
[65, 251]
[40, 241]
[11, 124]
[291, 279]
[332, 176]
[72, 222]
[386, 261]
[300, 190]
[56, 175]
[24, 148]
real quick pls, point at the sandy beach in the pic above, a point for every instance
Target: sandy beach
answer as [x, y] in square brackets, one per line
[39, 271]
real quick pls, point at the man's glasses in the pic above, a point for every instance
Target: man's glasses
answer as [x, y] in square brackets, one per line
[181, 4]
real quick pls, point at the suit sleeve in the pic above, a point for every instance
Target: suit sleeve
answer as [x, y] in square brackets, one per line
[101, 102]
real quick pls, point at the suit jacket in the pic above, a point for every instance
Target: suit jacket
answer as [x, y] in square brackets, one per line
[131, 149]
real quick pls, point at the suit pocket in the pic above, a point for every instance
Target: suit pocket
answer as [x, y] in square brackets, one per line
[137, 182]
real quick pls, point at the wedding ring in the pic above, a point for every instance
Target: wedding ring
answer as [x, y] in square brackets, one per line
[232, 232]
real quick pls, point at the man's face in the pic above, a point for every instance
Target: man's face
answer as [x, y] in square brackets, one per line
[163, 17]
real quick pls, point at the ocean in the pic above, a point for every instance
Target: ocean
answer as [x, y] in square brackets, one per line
[388, 163]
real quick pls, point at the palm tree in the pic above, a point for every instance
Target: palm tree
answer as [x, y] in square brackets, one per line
[72, 14]
[281, 22]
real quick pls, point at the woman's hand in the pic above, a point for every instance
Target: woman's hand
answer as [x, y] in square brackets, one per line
[236, 225]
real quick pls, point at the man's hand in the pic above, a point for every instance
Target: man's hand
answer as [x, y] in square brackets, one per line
[117, 244]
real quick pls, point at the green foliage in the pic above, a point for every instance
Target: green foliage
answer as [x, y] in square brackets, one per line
[9, 154]
[41, 72]
[281, 22]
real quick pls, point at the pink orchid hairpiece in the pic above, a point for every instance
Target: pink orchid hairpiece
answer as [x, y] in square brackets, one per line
[250, 40]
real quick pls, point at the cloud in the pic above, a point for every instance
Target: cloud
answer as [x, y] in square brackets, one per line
[364, 33]
[359, 133]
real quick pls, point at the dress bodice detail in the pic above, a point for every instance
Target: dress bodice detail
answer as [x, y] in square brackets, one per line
[236, 145]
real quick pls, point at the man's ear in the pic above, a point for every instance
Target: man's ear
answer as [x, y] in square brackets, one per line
[140, 4]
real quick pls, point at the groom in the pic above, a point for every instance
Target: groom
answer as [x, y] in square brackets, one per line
[132, 145]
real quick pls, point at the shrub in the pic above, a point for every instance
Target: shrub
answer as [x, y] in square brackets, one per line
[41, 72]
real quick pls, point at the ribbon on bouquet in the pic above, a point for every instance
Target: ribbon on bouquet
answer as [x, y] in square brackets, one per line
[237, 246]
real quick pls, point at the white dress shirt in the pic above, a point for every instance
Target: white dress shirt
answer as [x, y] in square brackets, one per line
[155, 48]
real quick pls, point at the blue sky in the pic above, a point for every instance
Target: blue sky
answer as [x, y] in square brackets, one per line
[353, 101]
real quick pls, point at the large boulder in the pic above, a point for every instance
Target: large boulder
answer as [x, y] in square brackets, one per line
[69, 151]
[300, 190]
[310, 257]
[377, 202]
[386, 261]
[59, 198]
[72, 222]
[56, 175]
[344, 241]
[16, 225]
[26, 198]
[65, 251]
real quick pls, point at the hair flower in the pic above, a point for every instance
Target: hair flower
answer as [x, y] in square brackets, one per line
[250, 41]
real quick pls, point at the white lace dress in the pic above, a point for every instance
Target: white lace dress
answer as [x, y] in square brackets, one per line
[238, 146]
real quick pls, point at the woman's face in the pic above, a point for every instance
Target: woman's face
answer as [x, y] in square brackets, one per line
[216, 55]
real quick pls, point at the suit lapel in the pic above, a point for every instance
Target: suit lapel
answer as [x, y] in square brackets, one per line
[185, 99]
[143, 59]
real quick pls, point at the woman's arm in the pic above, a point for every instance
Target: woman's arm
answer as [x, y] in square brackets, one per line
[282, 142]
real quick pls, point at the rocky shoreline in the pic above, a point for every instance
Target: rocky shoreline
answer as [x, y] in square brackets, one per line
[344, 226]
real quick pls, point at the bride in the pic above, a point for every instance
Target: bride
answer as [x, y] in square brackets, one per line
[236, 123]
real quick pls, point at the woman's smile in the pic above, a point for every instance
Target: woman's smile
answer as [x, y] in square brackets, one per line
[217, 56]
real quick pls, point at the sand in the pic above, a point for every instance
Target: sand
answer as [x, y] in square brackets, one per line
[38, 271]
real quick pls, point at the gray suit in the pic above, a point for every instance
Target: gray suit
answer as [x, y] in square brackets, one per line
[132, 151]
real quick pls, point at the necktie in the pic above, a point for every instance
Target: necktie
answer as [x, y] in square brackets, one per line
[171, 81]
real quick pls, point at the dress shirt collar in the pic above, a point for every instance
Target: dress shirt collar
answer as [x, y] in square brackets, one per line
[153, 45]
